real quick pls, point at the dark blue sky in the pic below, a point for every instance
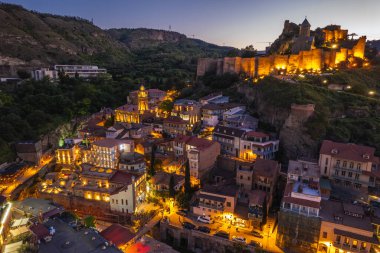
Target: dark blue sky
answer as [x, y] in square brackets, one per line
[224, 22]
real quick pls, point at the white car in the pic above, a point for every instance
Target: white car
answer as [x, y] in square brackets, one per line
[238, 239]
[205, 219]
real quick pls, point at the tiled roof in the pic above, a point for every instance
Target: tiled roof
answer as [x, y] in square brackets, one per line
[117, 234]
[229, 131]
[174, 119]
[302, 202]
[356, 236]
[257, 134]
[182, 138]
[39, 230]
[257, 197]
[109, 143]
[121, 177]
[128, 108]
[347, 151]
[200, 143]
[164, 178]
[266, 168]
[211, 197]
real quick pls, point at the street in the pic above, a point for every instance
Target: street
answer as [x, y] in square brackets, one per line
[28, 173]
[268, 241]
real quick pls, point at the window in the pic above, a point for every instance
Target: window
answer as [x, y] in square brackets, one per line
[122, 202]
[344, 164]
[229, 204]
[343, 173]
[355, 244]
[351, 165]
[337, 162]
[337, 172]
[327, 161]
[359, 166]
[349, 174]
[346, 241]
[337, 239]
[357, 176]
[324, 235]
[117, 202]
[241, 176]
[325, 170]
[126, 202]
[363, 245]
[113, 201]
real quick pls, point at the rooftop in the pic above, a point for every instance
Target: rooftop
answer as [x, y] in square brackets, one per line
[223, 190]
[266, 168]
[149, 245]
[348, 151]
[304, 169]
[162, 177]
[109, 143]
[117, 234]
[68, 240]
[219, 129]
[334, 212]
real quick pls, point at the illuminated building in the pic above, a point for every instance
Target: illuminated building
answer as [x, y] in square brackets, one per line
[212, 113]
[5, 216]
[214, 98]
[216, 201]
[257, 144]
[301, 55]
[66, 154]
[132, 162]
[188, 110]
[174, 125]
[142, 100]
[345, 228]
[202, 153]
[29, 151]
[106, 152]
[229, 139]
[128, 113]
[83, 71]
[299, 219]
[161, 181]
[348, 164]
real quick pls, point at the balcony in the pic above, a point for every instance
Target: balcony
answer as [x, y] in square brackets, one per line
[211, 206]
[352, 180]
[355, 170]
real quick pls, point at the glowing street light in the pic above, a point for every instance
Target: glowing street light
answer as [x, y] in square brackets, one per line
[371, 93]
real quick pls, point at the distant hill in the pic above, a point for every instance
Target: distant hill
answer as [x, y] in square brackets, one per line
[29, 39]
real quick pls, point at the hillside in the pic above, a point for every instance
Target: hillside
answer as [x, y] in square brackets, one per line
[340, 116]
[36, 39]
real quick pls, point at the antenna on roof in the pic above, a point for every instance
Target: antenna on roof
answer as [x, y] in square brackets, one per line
[170, 27]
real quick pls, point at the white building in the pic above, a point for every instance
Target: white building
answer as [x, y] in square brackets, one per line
[83, 71]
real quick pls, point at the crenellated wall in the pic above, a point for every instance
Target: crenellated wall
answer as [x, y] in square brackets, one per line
[315, 59]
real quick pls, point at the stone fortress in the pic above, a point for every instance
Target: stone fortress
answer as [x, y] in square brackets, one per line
[299, 53]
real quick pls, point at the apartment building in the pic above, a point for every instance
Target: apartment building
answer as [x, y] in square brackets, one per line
[188, 110]
[348, 164]
[229, 139]
[255, 145]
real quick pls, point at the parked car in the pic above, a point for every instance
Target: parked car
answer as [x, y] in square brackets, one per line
[223, 234]
[256, 244]
[205, 219]
[204, 229]
[188, 225]
[182, 212]
[256, 234]
[240, 239]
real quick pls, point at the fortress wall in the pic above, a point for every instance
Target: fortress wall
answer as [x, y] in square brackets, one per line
[311, 59]
[294, 62]
[341, 56]
[206, 65]
[219, 66]
[232, 65]
[335, 35]
[248, 66]
[359, 48]
[281, 61]
[263, 66]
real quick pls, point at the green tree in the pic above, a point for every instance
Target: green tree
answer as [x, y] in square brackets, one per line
[187, 180]
[171, 186]
[166, 105]
[152, 170]
[89, 221]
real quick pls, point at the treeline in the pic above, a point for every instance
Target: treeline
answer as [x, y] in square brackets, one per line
[34, 108]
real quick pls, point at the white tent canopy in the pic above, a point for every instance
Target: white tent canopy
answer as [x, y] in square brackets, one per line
[20, 222]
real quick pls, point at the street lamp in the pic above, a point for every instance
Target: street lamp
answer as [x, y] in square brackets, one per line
[371, 93]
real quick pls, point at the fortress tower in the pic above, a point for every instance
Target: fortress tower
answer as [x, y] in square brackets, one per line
[305, 29]
[142, 99]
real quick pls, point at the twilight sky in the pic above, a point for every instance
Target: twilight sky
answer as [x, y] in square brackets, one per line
[235, 23]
